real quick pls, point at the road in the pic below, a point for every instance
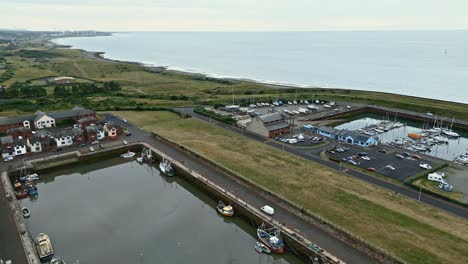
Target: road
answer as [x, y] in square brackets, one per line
[314, 155]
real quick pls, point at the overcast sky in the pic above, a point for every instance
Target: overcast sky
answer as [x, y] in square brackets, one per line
[233, 15]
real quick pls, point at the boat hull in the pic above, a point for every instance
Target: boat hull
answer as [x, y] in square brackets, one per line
[277, 250]
[163, 171]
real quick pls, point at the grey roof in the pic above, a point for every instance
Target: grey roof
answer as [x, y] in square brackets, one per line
[34, 140]
[16, 119]
[362, 138]
[75, 111]
[329, 130]
[19, 129]
[91, 129]
[63, 133]
[276, 126]
[268, 118]
[346, 133]
[6, 140]
[42, 133]
[84, 119]
[76, 131]
[39, 115]
[19, 142]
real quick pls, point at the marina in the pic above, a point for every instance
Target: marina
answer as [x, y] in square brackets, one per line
[430, 138]
[142, 216]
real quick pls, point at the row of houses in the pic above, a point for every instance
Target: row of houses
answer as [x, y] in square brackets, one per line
[23, 140]
[41, 120]
[350, 137]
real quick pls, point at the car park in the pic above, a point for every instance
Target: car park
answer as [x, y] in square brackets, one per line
[399, 156]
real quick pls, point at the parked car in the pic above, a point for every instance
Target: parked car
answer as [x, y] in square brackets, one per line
[399, 156]
[268, 209]
[82, 145]
[371, 169]
[365, 158]
[95, 142]
[362, 154]
[340, 150]
[382, 151]
[128, 133]
[390, 167]
[344, 159]
[406, 154]
[352, 162]
[125, 120]
[125, 142]
[91, 149]
[425, 165]
[9, 158]
[415, 156]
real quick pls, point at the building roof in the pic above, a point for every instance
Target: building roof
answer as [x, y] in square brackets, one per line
[75, 111]
[86, 119]
[76, 131]
[91, 129]
[273, 117]
[6, 140]
[19, 142]
[18, 129]
[276, 126]
[329, 130]
[42, 133]
[362, 138]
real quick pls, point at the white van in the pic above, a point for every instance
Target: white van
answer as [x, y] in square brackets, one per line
[268, 209]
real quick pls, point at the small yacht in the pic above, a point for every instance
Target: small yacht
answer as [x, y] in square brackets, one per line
[128, 155]
[225, 210]
[44, 247]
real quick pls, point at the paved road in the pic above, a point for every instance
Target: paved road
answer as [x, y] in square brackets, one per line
[314, 155]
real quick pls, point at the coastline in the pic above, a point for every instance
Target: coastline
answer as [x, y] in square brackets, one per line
[100, 55]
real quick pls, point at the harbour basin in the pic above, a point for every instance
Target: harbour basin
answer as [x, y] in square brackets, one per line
[113, 211]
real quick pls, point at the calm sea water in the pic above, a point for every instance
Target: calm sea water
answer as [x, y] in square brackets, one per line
[114, 212]
[431, 64]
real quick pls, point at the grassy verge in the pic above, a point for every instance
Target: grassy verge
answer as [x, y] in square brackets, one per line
[413, 231]
[433, 187]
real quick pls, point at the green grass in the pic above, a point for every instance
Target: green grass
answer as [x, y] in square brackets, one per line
[413, 231]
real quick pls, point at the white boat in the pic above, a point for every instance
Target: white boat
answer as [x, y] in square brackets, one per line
[327, 106]
[26, 212]
[450, 133]
[56, 260]
[128, 155]
[166, 168]
[44, 247]
[425, 165]
[441, 139]
[312, 107]
[378, 130]
[140, 159]
[295, 102]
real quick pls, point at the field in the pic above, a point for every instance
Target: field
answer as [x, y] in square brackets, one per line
[147, 87]
[413, 231]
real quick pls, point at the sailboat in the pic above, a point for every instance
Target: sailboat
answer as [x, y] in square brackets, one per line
[449, 132]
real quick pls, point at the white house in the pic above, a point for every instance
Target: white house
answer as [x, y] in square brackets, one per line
[63, 139]
[19, 147]
[27, 124]
[42, 120]
[101, 134]
[328, 131]
[34, 144]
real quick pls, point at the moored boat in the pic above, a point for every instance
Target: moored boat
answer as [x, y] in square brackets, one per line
[26, 212]
[44, 247]
[263, 248]
[32, 191]
[166, 168]
[128, 155]
[270, 238]
[21, 194]
[57, 260]
[225, 210]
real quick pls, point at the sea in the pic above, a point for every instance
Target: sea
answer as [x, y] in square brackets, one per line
[431, 64]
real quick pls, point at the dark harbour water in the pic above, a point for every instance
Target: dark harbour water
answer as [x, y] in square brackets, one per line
[115, 212]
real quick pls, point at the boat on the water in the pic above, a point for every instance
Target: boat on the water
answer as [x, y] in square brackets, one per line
[44, 247]
[260, 248]
[21, 194]
[30, 177]
[450, 133]
[128, 155]
[140, 159]
[26, 212]
[32, 191]
[225, 210]
[166, 168]
[57, 260]
[271, 238]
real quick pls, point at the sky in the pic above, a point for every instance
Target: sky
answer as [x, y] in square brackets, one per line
[233, 15]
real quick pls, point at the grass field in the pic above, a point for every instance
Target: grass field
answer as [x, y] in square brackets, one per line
[138, 82]
[413, 231]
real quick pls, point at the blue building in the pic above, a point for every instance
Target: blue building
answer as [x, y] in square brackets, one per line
[350, 137]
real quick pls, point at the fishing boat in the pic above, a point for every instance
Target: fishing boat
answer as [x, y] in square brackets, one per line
[166, 168]
[128, 155]
[147, 155]
[26, 212]
[30, 177]
[44, 247]
[270, 238]
[225, 210]
[260, 248]
[32, 191]
[21, 194]
[56, 260]
[18, 186]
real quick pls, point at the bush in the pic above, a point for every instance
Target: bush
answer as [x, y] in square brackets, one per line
[225, 119]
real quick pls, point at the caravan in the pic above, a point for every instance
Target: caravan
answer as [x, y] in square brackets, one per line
[435, 177]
